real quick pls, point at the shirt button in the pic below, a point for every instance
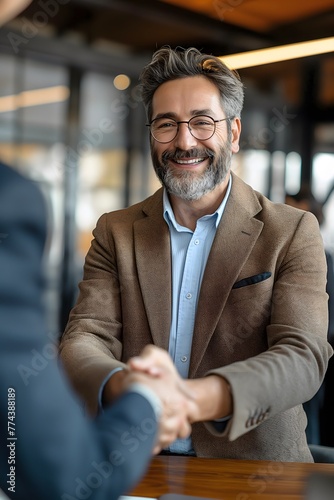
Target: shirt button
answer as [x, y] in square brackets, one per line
[189, 295]
[196, 242]
[184, 359]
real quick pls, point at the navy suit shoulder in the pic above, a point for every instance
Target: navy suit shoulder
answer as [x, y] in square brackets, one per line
[58, 454]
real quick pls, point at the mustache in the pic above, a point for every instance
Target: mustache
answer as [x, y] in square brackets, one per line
[179, 154]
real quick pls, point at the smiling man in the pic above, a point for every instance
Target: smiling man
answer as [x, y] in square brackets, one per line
[229, 283]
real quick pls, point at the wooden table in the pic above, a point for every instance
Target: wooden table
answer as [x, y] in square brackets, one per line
[228, 479]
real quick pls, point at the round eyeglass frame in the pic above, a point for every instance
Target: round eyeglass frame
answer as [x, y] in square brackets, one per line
[189, 128]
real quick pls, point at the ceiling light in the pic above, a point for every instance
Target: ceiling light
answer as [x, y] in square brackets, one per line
[277, 54]
[121, 82]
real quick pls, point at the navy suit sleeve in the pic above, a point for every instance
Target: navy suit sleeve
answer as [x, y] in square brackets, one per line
[58, 453]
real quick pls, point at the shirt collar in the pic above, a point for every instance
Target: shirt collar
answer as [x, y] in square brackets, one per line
[169, 214]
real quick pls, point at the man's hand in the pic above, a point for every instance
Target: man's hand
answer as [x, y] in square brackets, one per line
[183, 401]
[161, 376]
[175, 406]
[157, 363]
[211, 396]
[178, 401]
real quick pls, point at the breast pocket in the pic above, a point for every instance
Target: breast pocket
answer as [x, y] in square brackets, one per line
[253, 288]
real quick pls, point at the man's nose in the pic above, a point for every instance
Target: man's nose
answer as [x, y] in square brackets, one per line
[184, 139]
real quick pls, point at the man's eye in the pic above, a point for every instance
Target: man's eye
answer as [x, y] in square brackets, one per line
[201, 123]
[167, 125]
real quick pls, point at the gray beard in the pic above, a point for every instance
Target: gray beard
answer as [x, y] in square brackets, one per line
[187, 185]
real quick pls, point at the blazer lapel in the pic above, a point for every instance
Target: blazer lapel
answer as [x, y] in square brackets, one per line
[152, 253]
[234, 240]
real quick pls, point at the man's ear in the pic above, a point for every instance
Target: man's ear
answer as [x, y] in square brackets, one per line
[11, 8]
[236, 130]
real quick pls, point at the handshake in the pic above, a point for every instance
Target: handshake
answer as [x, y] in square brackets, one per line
[154, 369]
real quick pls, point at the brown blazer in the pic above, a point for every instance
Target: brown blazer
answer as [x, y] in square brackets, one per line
[266, 335]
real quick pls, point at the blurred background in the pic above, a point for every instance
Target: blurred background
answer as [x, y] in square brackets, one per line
[71, 118]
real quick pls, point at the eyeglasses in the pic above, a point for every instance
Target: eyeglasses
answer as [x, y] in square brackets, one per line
[201, 128]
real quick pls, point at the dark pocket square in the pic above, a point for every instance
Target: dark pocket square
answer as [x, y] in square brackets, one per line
[252, 280]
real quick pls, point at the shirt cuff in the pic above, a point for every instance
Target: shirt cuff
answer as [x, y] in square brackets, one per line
[138, 388]
[99, 397]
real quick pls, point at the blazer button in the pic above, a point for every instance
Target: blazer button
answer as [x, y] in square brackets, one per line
[250, 422]
[266, 413]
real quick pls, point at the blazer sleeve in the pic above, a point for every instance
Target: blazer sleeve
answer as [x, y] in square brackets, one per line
[92, 343]
[292, 369]
[57, 453]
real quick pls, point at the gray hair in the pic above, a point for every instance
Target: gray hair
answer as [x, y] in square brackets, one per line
[168, 64]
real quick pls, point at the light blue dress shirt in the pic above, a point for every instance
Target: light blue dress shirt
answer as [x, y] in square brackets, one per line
[189, 251]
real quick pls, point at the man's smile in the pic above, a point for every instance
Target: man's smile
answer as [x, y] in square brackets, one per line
[189, 161]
